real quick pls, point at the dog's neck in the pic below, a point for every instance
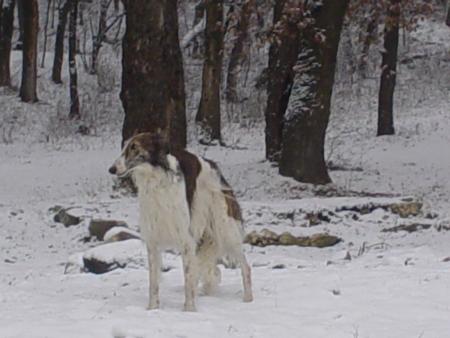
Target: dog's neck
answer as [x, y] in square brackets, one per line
[149, 178]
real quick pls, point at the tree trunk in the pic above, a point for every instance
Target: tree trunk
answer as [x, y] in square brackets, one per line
[370, 36]
[447, 19]
[239, 53]
[306, 120]
[198, 42]
[388, 70]
[63, 11]
[152, 92]
[282, 56]
[208, 114]
[74, 101]
[29, 52]
[6, 31]
[98, 39]
[44, 49]
[20, 17]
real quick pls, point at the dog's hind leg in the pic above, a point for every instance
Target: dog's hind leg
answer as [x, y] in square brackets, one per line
[190, 277]
[209, 271]
[246, 278]
[154, 269]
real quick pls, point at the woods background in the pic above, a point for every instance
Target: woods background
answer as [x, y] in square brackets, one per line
[202, 70]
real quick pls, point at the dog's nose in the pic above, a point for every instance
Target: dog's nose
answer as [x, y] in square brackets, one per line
[113, 170]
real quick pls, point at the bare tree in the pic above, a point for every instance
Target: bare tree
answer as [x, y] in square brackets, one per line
[74, 101]
[306, 121]
[447, 18]
[20, 17]
[389, 69]
[208, 114]
[239, 52]
[152, 92]
[101, 31]
[47, 18]
[6, 31]
[282, 57]
[63, 11]
[29, 52]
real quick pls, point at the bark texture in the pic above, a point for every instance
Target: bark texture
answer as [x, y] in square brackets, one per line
[20, 17]
[306, 120]
[239, 52]
[63, 12]
[388, 70]
[73, 76]
[29, 51]
[152, 92]
[447, 18]
[208, 114]
[6, 31]
[101, 31]
[282, 57]
[47, 19]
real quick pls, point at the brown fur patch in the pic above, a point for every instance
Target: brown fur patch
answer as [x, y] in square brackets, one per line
[190, 166]
[233, 207]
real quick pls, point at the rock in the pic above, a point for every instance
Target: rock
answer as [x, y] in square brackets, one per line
[408, 227]
[115, 255]
[313, 219]
[406, 209]
[62, 216]
[268, 237]
[98, 227]
[120, 233]
[323, 240]
[279, 266]
[97, 266]
[286, 238]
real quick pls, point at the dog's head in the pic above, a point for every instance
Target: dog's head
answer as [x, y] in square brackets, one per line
[142, 150]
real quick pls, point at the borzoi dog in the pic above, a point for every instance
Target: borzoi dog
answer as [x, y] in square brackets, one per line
[185, 204]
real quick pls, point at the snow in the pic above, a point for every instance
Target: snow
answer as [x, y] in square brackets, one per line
[394, 285]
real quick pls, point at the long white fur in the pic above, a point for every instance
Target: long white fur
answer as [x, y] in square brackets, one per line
[166, 223]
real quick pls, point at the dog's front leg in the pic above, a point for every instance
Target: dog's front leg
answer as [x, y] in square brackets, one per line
[154, 268]
[190, 278]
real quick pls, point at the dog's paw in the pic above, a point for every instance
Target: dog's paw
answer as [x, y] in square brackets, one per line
[153, 306]
[247, 298]
[189, 308]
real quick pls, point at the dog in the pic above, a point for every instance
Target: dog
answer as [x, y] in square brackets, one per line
[187, 205]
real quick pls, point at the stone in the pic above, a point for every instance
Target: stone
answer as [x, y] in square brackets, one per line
[115, 255]
[323, 240]
[407, 209]
[62, 216]
[286, 238]
[99, 227]
[267, 237]
[117, 234]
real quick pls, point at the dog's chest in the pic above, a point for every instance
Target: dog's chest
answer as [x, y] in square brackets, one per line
[164, 213]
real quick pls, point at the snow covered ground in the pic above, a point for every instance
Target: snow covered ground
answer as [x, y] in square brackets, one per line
[396, 284]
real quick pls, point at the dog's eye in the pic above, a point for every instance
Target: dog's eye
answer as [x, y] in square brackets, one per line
[133, 147]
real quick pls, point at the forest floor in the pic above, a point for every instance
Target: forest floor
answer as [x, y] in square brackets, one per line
[395, 284]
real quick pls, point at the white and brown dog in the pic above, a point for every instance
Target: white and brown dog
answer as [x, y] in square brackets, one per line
[186, 205]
